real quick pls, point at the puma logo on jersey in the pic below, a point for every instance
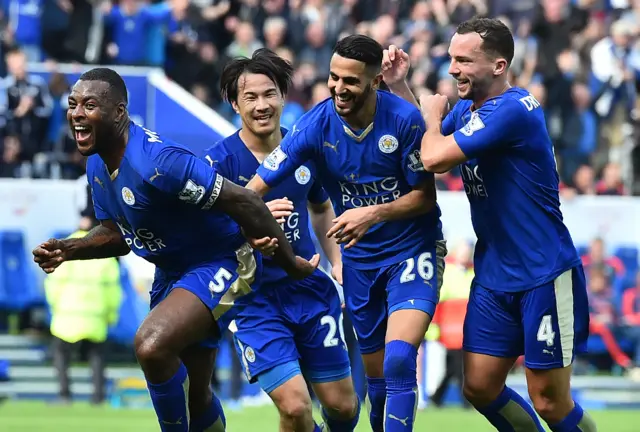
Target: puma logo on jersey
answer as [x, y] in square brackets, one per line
[97, 180]
[155, 176]
[244, 179]
[403, 421]
[333, 147]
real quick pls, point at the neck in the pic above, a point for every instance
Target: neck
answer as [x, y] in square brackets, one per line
[261, 145]
[364, 116]
[496, 89]
[117, 145]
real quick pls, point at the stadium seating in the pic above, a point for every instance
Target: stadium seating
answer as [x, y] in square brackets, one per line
[17, 280]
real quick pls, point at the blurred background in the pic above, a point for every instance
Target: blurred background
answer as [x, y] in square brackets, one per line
[66, 360]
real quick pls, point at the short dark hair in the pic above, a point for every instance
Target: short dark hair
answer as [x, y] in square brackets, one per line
[497, 40]
[117, 87]
[361, 48]
[262, 62]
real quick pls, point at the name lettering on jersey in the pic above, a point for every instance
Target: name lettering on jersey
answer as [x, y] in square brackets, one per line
[155, 176]
[191, 193]
[472, 180]
[475, 123]
[290, 227]
[367, 194]
[530, 102]
[152, 136]
[415, 162]
[273, 161]
[140, 239]
[388, 144]
[333, 147]
[97, 180]
[303, 175]
[127, 196]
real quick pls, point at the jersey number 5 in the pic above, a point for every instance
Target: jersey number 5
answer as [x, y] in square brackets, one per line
[422, 265]
[220, 279]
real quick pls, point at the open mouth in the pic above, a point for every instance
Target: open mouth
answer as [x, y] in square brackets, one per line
[263, 120]
[82, 134]
[343, 100]
[462, 84]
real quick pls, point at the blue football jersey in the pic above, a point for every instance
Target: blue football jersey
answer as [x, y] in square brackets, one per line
[161, 199]
[234, 161]
[512, 185]
[377, 165]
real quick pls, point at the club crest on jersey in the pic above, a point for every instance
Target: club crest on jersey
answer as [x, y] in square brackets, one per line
[250, 355]
[273, 161]
[388, 144]
[303, 175]
[475, 124]
[191, 193]
[127, 196]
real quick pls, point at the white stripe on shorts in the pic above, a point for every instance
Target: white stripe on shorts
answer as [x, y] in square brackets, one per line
[563, 287]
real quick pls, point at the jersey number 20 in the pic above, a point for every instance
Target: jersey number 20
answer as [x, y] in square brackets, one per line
[422, 265]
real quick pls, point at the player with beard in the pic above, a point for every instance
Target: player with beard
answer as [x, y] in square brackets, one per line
[296, 327]
[364, 144]
[529, 294]
[155, 197]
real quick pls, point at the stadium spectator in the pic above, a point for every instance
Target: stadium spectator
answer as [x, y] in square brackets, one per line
[84, 298]
[631, 321]
[28, 104]
[597, 258]
[10, 165]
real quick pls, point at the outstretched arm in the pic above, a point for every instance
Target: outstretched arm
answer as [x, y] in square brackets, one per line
[103, 241]
[251, 213]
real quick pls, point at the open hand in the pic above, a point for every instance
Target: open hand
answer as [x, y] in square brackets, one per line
[395, 65]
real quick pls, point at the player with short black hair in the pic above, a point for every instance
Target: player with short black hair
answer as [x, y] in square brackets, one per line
[529, 293]
[364, 144]
[295, 327]
[155, 197]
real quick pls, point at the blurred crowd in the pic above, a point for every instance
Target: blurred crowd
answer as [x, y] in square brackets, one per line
[579, 58]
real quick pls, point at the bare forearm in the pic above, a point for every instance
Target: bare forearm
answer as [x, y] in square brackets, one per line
[415, 203]
[100, 242]
[402, 90]
[322, 221]
[252, 214]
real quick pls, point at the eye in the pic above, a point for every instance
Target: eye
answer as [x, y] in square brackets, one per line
[90, 106]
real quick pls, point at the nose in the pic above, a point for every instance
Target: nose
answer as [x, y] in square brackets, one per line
[454, 70]
[77, 113]
[261, 104]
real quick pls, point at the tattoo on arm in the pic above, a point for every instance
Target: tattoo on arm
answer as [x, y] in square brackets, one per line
[103, 241]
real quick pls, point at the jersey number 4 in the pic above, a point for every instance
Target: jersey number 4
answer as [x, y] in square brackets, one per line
[422, 265]
[545, 331]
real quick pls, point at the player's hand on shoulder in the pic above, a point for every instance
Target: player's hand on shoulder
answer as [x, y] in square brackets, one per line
[434, 106]
[352, 225]
[304, 267]
[50, 254]
[395, 65]
[280, 208]
[266, 245]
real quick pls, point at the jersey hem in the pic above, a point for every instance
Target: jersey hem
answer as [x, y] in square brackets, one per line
[531, 285]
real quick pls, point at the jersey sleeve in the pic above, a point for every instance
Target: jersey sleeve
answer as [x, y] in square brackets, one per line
[297, 147]
[94, 185]
[448, 124]
[491, 127]
[317, 194]
[221, 162]
[411, 139]
[181, 174]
